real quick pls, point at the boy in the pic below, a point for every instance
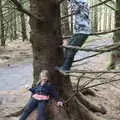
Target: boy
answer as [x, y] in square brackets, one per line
[82, 30]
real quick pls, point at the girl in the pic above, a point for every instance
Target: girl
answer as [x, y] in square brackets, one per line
[41, 94]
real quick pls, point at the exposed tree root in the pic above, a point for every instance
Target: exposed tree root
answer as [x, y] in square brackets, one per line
[88, 92]
[85, 113]
[53, 113]
[76, 110]
[89, 105]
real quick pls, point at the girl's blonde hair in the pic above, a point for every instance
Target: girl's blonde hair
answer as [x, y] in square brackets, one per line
[44, 73]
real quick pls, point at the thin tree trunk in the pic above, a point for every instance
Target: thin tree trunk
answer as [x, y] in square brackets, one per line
[95, 22]
[11, 22]
[100, 18]
[14, 26]
[71, 23]
[110, 19]
[105, 19]
[2, 35]
[65, 22]
[23, 25]
[115, 57]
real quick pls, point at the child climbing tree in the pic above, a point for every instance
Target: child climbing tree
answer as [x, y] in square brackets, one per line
[46, 39]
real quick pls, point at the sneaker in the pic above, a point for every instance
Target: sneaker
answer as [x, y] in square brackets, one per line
[61, 70]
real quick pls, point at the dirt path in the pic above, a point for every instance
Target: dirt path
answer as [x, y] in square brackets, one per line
[15, 77]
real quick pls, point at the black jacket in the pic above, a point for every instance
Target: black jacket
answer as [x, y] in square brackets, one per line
[47, 89]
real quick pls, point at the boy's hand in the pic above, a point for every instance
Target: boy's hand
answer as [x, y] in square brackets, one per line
[60, 104]
[65, 42]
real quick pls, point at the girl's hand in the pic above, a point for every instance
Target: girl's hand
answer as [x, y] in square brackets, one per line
[27, 87]
[60, 104]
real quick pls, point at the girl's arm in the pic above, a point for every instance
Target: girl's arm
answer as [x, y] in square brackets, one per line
[54, 93]
[56, 96]
[33, 89]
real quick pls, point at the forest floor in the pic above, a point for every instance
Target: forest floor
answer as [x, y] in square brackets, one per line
[18, 52]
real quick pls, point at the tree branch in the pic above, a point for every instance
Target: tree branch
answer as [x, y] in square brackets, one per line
[92, 72]
[104, 49]
[79, 82]
[88, 82]
[97, 33]
[20, 8]
[61, 1]
[109, 6]
[87, 57]
[101, 3]
[96, 5]
[106, 82]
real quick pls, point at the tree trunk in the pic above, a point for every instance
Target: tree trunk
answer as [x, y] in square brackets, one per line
[46, 39]
[100, 18]
[23, 26]
[105, 19]
[65, 22]
[2, 35]
[95, 19]
[11, 22]
[14, 26]
[115, 57]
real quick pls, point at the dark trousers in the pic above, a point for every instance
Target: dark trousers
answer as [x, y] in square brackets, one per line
[40, 105]
[76, 40]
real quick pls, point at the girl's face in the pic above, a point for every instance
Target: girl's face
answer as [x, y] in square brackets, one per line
[43, 78]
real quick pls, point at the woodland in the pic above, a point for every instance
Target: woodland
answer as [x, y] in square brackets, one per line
[43, 25]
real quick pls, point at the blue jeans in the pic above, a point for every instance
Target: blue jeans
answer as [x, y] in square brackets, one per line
[76, 40]
[40, 105]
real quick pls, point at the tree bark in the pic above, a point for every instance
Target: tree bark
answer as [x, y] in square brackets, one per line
[23, 25]
[46, 39]
[2, 35]
[95, 18]
[65, 22]
[14, 26]
[115, 57]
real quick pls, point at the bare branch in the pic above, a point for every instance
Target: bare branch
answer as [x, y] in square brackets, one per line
[109, 6]
[61, 1]
[87, 57]
[88, 82]
[97, 33]
[79, 81]
[96, 5]
[106, 82]
[92, 72]
[105, 32]
[101, 3]
[104, 49]
[20, 8]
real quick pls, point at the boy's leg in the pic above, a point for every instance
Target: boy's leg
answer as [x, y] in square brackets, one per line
[76, 40]
[29, 108]
[41, 110]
